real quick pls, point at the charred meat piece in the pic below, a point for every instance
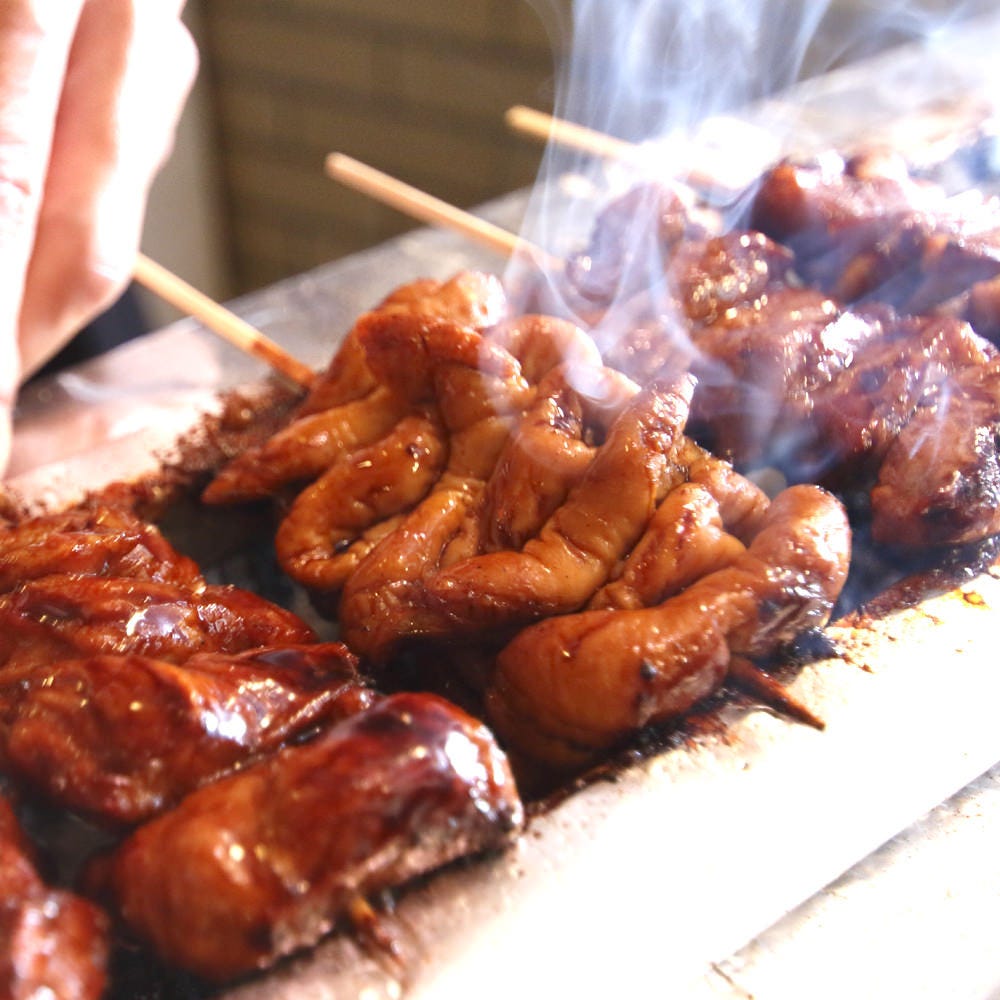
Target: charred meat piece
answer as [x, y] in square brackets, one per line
[719, 281]
[258, 865]
[64, 616]
[859, 415]
[829, 214]
[796, 381]
[121, 738]
[52, 943]
[757, 365]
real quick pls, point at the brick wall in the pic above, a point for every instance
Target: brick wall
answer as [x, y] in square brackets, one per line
[415, 89]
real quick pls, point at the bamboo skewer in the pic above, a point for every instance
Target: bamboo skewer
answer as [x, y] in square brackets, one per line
[426, 208]
[219, 320]
[545, 127]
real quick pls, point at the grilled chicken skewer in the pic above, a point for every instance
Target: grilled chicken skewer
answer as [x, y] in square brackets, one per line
[258, 865]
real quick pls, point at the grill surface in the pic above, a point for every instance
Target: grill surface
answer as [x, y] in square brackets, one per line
[660, 874]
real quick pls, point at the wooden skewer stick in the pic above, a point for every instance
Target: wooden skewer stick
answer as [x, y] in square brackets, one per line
[542, 126]
[219, 320]
[546, 127]
[425, 207]
[750, 677]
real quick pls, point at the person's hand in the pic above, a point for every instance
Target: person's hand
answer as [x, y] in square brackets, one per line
[90, 94]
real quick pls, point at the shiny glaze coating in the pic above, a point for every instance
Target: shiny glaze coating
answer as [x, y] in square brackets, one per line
[121, 738]
[569, 687]
[52, 943]
[419, 583]
[550, 450]
[91, 541]
[575, 550]
[327, 530]
[258, 865]
[352, 407]
[62, 616]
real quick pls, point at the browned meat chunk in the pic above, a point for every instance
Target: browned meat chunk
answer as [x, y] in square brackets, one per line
[257, 865]
[52, 943]
[860, 234]
[940, 481]
[98, 541]
[861, 413]
[758, 364]
[121, 738]
[65, 616]
[829, 215]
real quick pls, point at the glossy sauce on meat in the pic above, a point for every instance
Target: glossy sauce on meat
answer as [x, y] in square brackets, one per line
[53, 944]
[257, 865]
[121, 738]
[61, 616]
[99, 541]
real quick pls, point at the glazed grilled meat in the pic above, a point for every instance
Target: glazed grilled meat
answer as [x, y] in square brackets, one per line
[98, 580]
[130, 689]
[865, 230]
[120, 738]
[91, 541]
[260, 864]
[63, 616]
[556, 570]
[903, 367]
[802, 379]
[569, 687]
[52, 943]
[351, 408]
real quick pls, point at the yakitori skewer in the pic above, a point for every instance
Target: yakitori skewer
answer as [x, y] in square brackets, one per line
[425, 207]
[219, 320]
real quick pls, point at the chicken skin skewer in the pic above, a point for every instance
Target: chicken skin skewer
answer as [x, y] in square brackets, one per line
[350, 407]
[569, 687]
[603, 516]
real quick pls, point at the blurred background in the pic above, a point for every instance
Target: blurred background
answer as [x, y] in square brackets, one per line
[416, 89]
